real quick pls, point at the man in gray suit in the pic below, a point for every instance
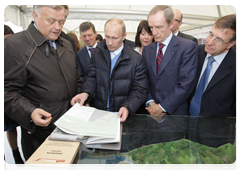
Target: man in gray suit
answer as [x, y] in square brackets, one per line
[177, 22]
[89, 34]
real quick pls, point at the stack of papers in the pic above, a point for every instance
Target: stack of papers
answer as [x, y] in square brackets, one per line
[79, 122]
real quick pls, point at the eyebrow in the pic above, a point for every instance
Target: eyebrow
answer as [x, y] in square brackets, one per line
[56, 19]
[217, 37]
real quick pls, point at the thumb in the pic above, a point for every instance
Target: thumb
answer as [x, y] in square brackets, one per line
[45, 114]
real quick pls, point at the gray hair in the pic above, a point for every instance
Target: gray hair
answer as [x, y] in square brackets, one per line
[168, 12]
[37, 8]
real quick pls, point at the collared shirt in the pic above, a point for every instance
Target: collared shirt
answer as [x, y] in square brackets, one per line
[89, 52]
[53, 42]
[114, 53]
[165, 42]
[177, 33]
[215, 64]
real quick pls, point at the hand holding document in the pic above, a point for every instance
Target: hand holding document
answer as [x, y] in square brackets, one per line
[98, 125]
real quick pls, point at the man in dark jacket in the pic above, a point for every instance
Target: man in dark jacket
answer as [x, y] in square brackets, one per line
[177, 22]
[116, 77]
[40, 77]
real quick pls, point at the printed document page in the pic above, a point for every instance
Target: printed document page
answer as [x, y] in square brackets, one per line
[88, 121]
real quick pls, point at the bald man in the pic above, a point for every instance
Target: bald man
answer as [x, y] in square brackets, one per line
[177, 22]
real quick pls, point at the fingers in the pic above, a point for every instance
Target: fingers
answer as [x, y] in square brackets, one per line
[123, 114]
[74, 100]
[80, 98]
[41, 117]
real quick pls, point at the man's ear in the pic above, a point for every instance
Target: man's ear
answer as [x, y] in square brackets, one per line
[35, 15]
[231, 44]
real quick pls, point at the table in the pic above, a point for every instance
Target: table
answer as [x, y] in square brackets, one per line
[177, 135]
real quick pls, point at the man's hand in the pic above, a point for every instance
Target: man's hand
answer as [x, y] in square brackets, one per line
[80, 98]
[41, 117]
[155, 109]
[123, 114]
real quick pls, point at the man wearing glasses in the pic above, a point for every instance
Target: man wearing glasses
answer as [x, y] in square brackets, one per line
[177, 22]
[215, 94]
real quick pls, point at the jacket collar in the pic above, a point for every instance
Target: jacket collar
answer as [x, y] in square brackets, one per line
[36, 36]
[125, 54]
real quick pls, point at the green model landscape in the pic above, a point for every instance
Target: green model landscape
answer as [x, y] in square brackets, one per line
[182, 152]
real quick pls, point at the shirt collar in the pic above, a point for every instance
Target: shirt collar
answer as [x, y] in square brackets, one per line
[168, 39]
[177, 33]
[94, 46]
[118, 50]
[218, 58]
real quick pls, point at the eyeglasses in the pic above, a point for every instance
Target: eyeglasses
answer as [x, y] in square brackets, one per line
[217, 40]
[177, 20]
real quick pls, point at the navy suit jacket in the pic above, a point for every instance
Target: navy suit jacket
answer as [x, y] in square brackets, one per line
[219, 98]
[176, 78]
[83, 60]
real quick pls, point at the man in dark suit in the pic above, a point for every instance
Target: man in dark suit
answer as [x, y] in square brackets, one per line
[217, 97]
[89, 34]
[177, 22]
[171, 83]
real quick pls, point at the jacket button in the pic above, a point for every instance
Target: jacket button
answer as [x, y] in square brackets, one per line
[157, 91]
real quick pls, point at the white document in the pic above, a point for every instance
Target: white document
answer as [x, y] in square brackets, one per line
[88, 121]
[99, 140]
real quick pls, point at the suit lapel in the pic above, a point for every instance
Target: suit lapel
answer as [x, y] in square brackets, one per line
[153, 58]
[85, 55]
[169, 53]
[222, 71]
[180, 34]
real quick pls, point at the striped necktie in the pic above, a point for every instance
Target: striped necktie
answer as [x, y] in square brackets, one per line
[159, 56]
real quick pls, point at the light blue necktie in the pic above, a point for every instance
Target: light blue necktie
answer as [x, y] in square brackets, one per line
[197, 98]
[51, 44]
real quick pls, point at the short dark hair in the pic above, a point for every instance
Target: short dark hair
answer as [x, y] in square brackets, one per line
[99, 37]
[7, 30]
[228, 21]
[142, 25]
[86, 26]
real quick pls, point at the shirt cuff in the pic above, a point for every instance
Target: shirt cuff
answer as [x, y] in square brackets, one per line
[162, 108]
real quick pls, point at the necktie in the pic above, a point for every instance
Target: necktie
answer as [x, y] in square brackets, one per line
[197, 98]
[51, 44]
[159, 56]
[91, 49]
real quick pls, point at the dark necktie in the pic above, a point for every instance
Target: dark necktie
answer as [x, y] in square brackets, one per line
[197, 98]
[91, 50]
[159, 56]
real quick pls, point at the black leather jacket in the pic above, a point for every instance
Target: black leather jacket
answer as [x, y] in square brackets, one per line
[127, 86]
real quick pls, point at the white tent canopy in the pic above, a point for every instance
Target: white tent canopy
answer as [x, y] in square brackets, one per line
[197, 19]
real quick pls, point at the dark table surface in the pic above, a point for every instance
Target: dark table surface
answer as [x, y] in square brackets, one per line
[142, 130]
